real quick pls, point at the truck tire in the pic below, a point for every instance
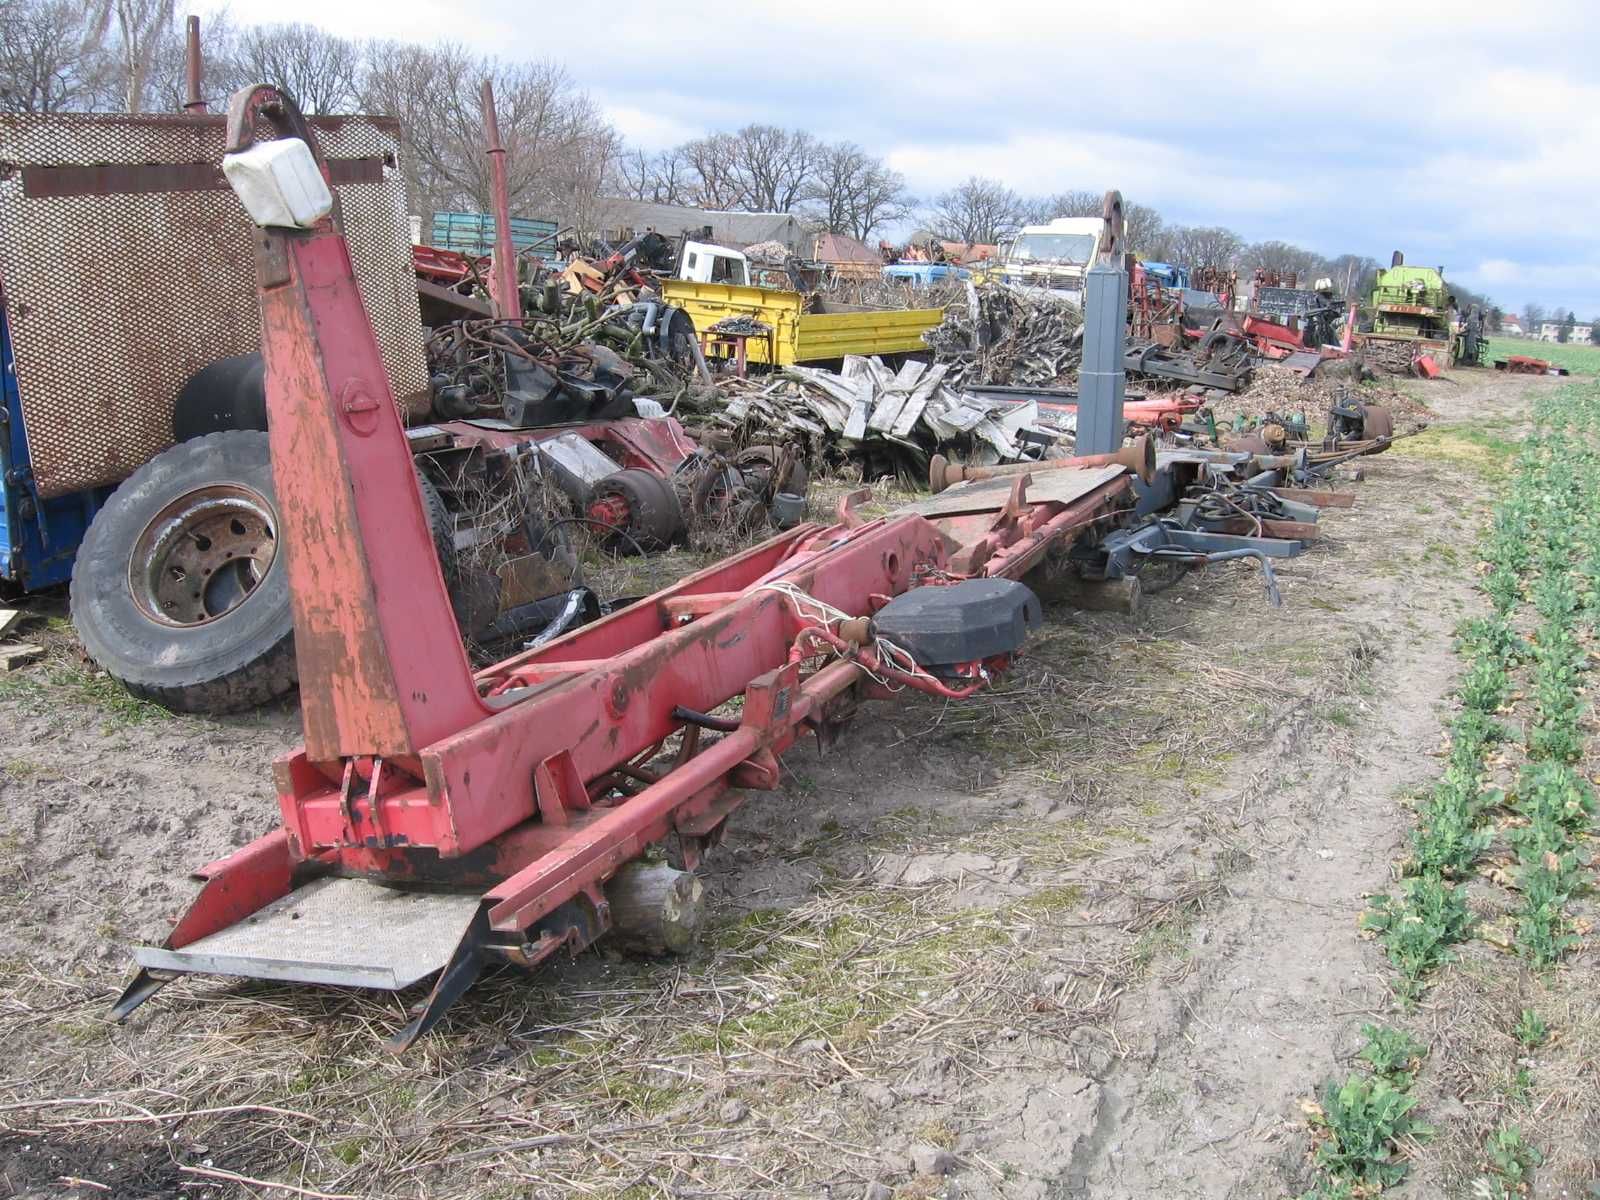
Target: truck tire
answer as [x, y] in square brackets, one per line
[208, 652]
[178, 590]
[230, 393]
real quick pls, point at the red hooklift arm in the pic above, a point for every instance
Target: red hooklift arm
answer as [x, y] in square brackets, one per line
[382, 672]
[530, 783]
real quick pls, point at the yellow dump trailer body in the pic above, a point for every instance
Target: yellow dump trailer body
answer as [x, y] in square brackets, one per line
[802, 336]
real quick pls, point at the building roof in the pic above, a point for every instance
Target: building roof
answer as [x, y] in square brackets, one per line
[838, 248]
[964, 252]
[737, 229]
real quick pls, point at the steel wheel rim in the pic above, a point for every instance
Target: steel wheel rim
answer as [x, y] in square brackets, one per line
[203, 555]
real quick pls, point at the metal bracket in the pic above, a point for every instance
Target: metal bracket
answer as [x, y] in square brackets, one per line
[1164, 540]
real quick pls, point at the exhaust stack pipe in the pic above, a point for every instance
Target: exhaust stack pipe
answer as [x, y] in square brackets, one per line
[1139, 458]
[193, 68]
[1397, 260]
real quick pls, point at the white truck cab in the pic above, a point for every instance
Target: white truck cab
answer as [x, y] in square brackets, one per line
[1054, 257]
[703, 262]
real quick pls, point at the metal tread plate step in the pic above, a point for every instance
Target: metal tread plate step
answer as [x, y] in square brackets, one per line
[1060, 484]
[347, 932]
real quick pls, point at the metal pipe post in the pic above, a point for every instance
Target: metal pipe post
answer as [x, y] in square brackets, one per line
[1102, 381]
[192, 69]
[503, 283]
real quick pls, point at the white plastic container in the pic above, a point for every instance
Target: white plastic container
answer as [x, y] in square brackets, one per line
[279, 184]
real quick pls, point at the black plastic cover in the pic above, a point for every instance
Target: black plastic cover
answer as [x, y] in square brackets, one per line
[961, 623]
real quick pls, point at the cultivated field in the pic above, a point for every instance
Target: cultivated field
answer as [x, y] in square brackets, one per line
[1580, 358]
[1097, 933]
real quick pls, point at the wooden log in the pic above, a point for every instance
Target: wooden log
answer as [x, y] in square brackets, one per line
[656, 909]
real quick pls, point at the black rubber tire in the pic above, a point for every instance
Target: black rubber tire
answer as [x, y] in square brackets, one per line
[242, 659]
[239, 660]
[442, 525]
[230, 393]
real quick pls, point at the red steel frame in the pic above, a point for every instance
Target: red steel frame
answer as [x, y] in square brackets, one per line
[532, 779]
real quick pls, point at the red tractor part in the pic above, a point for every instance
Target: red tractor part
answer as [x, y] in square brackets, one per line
[436, 820]
[1524, 364]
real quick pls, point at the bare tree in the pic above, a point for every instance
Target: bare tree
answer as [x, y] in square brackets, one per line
[1143, 228]
[661, 178]
[1354, 274]
[139, 27]
[45, 64]
[322, 72]
[717, 181]
[559, 147]
[1044, 209]
[774, 166]
[855, 193]
[1196, 246]
[979, 211]
[1532, 318]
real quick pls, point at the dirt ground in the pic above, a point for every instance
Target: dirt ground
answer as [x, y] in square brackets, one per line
[1093, 934]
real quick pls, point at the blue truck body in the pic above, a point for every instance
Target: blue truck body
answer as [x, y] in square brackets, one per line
[38, 537]
[924, 274]
[1167, 275]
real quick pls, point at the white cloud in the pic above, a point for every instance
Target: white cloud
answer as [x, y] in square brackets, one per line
[1467, 141]
[649, 128]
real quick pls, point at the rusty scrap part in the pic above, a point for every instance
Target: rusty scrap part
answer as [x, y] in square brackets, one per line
[1377, 422]
[1523, 364]
[1139, 458]
[1115, 242]
[503, 289]
[1393, 355]
[1221, 361]
[523, 788]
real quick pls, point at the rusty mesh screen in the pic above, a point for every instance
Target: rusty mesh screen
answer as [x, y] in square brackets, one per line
[123, 280]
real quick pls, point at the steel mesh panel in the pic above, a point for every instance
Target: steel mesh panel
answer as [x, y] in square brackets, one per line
[115, 300]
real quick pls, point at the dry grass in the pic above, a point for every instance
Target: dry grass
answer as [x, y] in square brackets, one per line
[749, 1069]
[742, 1071]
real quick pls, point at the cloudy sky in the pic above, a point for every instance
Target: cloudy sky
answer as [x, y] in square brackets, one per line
[1467, 135]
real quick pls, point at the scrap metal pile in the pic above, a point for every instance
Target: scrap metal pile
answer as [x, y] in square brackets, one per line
[1276, 389]
[1004, 335]
[887, 421]
[573, 357]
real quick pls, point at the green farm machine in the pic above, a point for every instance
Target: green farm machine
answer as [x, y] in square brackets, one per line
[1411, 309]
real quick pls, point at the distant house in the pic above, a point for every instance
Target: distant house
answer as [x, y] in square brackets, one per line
[1510, 326]
[1550, 331]
[619, 220]
[846, 256]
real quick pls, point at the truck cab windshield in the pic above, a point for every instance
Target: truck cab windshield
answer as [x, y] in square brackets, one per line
[1061, 249]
